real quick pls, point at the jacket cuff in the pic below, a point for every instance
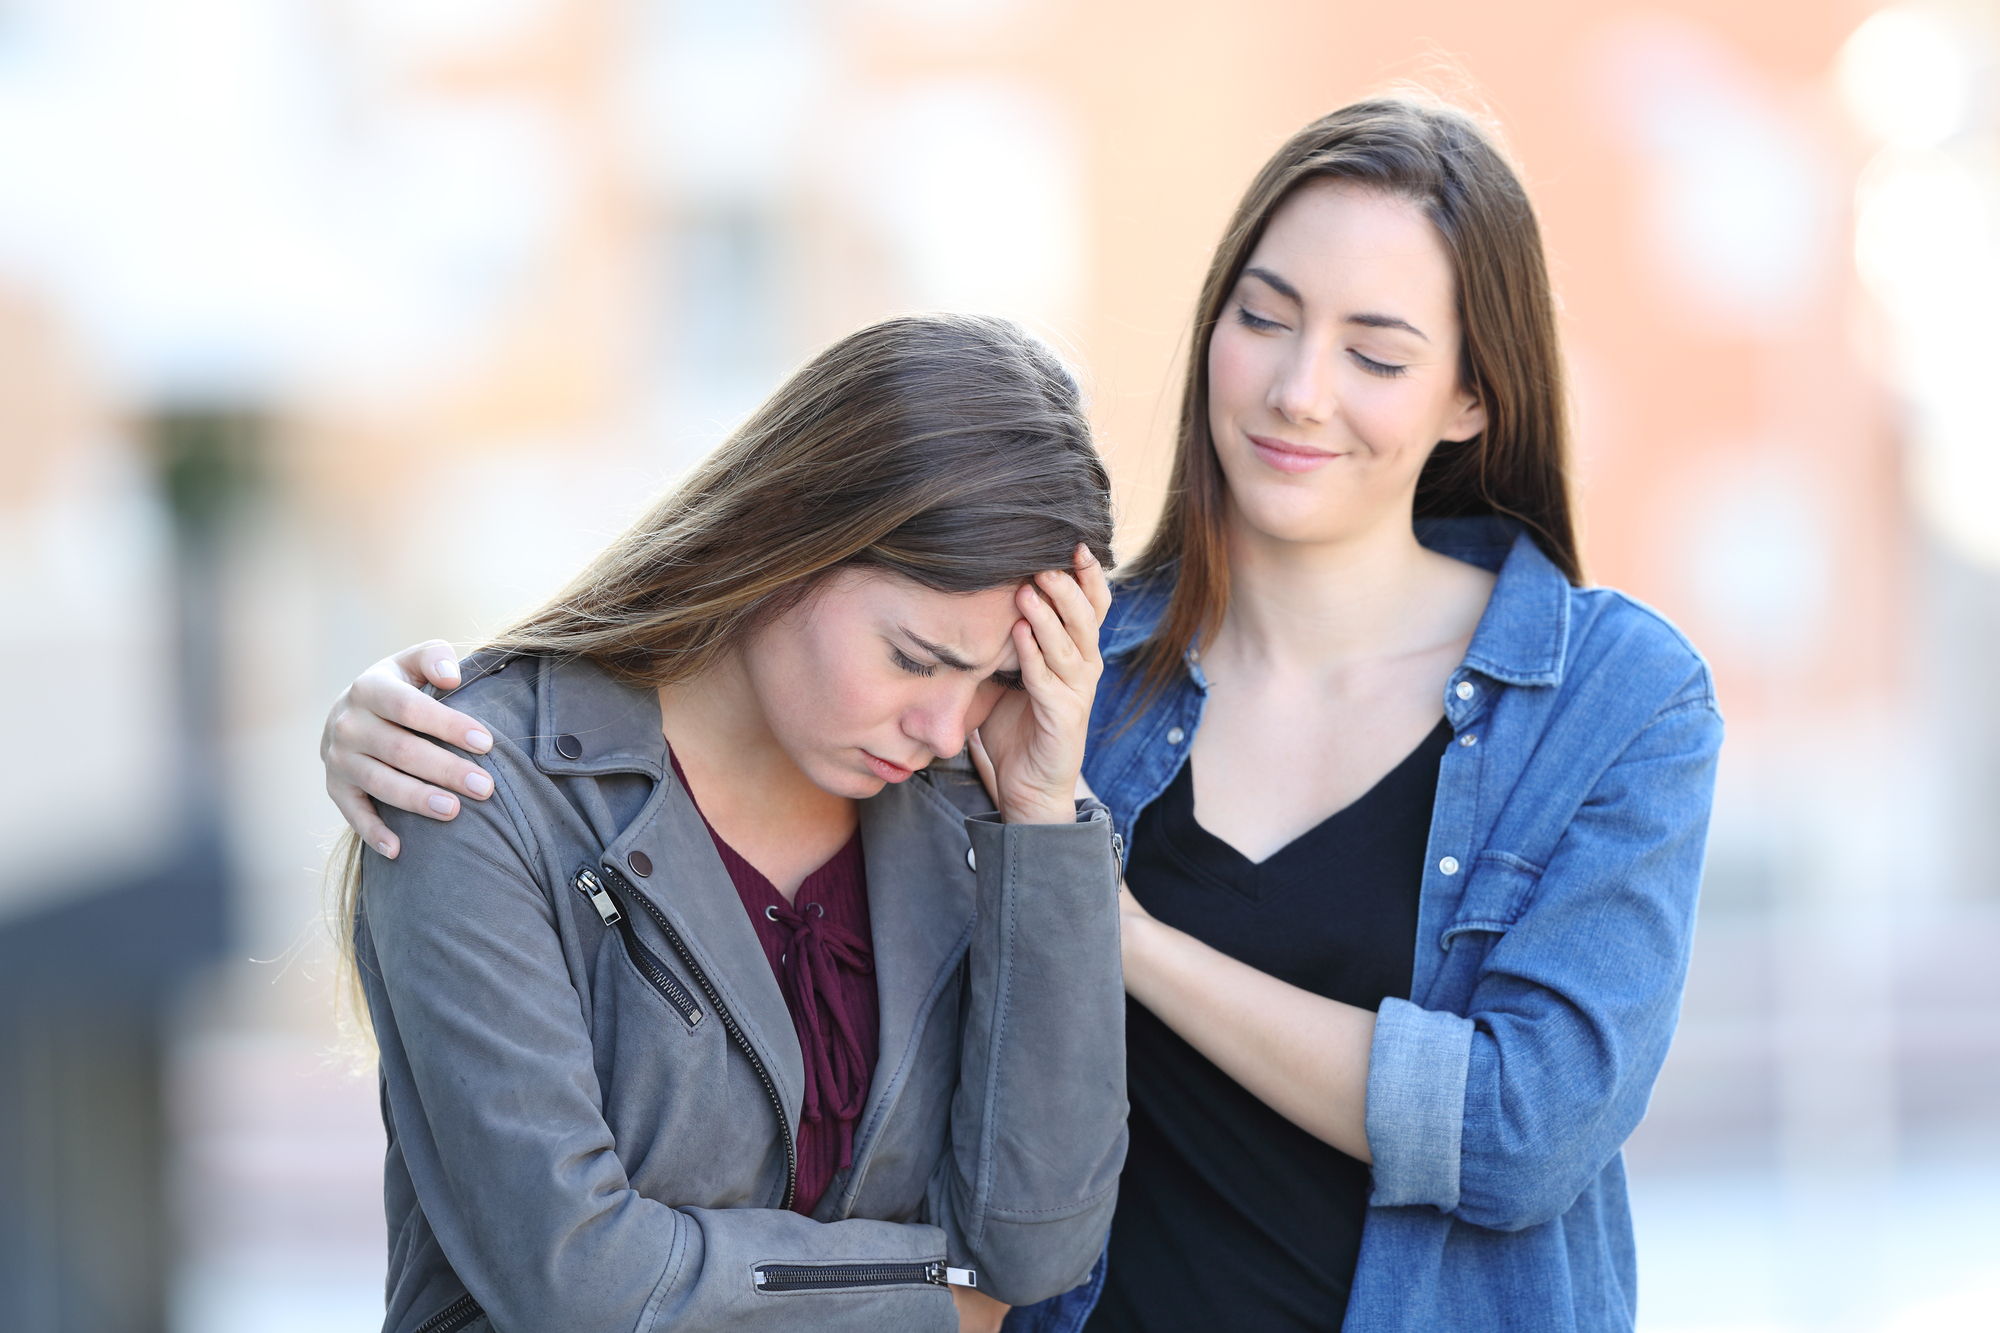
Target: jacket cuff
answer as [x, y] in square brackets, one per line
[1080, 856]
[1416, 1105]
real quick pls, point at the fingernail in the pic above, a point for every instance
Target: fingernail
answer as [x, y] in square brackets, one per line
[387, 848]
[447, 667]
[478, 783]
[478, 742]
[443, 805]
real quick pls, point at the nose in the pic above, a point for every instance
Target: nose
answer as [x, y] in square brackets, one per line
[941, 723]
[1303, 391]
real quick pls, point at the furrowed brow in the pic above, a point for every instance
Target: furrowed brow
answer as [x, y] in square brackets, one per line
[944, 655]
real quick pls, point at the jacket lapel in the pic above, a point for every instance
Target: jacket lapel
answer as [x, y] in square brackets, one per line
[690, 886]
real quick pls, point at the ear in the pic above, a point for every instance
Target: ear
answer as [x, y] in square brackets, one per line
[1468, 421]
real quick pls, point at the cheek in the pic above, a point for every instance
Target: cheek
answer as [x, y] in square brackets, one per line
[822, 690]
[1236, 375]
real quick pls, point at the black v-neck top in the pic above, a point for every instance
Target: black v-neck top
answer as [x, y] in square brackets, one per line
[1229, 1215]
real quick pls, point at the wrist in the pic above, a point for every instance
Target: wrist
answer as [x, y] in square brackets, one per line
[1048, 810]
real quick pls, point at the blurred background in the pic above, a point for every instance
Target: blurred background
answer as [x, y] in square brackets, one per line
[328, 325]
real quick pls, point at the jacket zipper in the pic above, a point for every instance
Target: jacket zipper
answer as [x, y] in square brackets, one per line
[626, 891]
[453, 1317]
[650, 967]
[834, 1277]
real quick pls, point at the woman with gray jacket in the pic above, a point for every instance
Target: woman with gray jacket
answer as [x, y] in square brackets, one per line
[739, 1005]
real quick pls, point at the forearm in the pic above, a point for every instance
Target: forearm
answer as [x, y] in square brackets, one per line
[1303, 1055]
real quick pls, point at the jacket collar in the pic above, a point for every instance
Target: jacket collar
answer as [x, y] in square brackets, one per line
[1521, 639]
[589, 723]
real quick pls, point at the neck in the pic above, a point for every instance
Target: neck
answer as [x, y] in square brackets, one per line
[1323, 604]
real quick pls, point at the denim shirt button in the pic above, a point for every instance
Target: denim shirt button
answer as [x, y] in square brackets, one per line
[1464, 689]
[1449, 865]
[1175, 735]
[1468, 739]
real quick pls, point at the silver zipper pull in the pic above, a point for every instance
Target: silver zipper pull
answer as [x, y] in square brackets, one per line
[942, 1275]
[587, 884]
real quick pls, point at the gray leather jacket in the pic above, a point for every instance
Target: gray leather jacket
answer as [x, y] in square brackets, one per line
[590, 1080]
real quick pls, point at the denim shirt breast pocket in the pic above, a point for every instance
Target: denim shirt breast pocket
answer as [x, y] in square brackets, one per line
[1498, 889]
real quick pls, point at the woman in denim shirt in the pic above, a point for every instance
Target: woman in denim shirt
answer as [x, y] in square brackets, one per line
[1368, 564]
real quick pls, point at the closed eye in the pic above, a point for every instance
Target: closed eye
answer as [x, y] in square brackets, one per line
[911, 664]
[1374, 367]
[1008, 680]
[1258, 322]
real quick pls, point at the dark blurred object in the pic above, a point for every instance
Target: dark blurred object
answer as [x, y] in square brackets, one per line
[87, 985]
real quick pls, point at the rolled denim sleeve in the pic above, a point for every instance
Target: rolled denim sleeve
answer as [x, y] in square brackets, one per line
[1416, 1103]
[1501, 1116]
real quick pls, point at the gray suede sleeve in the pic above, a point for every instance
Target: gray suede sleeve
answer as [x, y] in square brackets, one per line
[1043, 1045]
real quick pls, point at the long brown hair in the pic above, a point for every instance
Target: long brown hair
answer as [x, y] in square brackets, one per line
[1442, 160]
[952, 450]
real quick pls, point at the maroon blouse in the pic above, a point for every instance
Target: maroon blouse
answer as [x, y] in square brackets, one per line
[822, 952]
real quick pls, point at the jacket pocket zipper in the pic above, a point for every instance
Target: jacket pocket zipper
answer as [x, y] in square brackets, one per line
[847, 1277]
[649, 966]
[453, 1317]
[627, 893]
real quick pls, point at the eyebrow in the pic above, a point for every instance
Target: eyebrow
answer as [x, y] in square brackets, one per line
[946, 657]
[1365, 320]
[943, 654]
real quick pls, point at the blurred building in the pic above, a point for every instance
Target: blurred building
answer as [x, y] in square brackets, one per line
[304, 303]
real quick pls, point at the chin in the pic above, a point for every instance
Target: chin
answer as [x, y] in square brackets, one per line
[1293, 516]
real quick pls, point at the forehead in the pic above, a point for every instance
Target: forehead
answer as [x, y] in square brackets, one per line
[977, 626]
[1351, 244]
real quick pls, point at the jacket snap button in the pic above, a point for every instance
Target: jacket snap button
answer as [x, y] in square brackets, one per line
[971, 862]
[1449, 865]
[642, 864]
[569, 747]
[1175, 735]
[1464, 689]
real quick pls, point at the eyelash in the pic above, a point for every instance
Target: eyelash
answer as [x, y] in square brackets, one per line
[1006, 680]
[1380, 368]
[1369, 364]
[911, 664]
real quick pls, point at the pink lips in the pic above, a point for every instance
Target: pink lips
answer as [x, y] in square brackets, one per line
[1288, 457]
[885, 770]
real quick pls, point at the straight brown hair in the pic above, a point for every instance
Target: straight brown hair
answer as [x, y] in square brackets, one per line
[1442, 160]
[952, 450]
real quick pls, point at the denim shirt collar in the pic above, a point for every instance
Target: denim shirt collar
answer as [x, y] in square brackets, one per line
[1521, 638]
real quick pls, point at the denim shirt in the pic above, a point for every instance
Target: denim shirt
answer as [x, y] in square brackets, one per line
[1555, 920]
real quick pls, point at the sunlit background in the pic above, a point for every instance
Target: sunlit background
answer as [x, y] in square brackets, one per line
[326, 325]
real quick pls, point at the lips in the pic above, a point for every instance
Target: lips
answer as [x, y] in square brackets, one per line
[1288, 457]
[885, 770]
